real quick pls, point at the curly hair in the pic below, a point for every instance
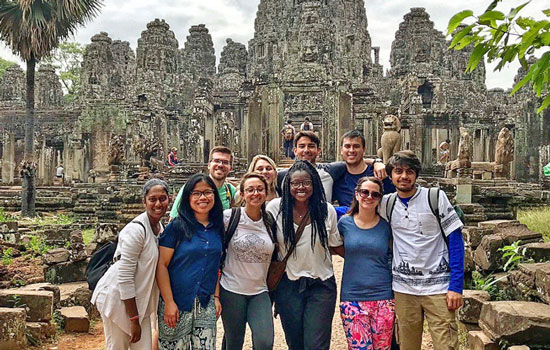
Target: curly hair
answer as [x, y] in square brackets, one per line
[317, 206]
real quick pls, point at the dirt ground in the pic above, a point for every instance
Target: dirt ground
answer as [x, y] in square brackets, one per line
[94, 339]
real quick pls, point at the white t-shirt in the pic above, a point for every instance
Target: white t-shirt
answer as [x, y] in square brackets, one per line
[420, 263]
[248, 256]
[59, 172]
[305, 262]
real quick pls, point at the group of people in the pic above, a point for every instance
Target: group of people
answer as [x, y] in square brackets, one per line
[401, 261]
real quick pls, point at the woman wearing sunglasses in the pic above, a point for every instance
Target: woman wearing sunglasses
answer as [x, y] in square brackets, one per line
[306, 295]
[366, 301]
[187, 270]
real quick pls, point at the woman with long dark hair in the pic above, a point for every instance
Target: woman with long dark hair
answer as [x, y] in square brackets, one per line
[187, 272]
[243, 288]
[367, 305]
[306, 295]
[127, 295]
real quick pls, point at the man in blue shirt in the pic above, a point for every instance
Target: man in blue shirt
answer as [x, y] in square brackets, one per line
[353, 150]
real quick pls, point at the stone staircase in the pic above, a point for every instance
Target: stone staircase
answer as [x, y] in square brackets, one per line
[48, 199]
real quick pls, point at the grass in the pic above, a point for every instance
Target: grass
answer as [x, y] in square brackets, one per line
[5, 217]
[537, 220]
[88, 235]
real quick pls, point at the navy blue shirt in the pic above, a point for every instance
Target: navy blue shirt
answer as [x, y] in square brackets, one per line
[344, 188]
[367, 268]
[194, 266]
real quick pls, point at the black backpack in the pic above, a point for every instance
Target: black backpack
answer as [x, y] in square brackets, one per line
[102, 259]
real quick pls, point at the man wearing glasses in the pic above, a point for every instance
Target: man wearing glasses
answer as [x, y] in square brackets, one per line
[219, 167]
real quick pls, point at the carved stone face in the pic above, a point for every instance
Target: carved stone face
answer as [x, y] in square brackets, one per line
[392, 123]
[309, 50]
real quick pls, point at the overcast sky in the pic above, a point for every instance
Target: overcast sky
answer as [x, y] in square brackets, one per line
[234, 19]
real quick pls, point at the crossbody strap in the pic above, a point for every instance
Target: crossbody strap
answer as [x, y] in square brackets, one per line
[299, 232]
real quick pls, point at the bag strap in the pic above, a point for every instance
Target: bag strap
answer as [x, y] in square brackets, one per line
[299, 232]
[231, 228]
[433, 201]
[116, 258]
[390, 204]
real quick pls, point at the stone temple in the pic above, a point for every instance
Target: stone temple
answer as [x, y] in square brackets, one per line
[308, 58]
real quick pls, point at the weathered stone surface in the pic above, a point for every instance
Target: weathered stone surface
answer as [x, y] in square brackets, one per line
[542, 281]
[41, 330]
[46, 286]
[39, 304]
[55, 256]
[12, 329]
[538, 251]
[477, 340]
[511, 234]
[519, 347]
[81, 297]
[497, 224]
[486, 256]
[517, 322]
[75, 319]
[473, 235]
[71, 271]
[464, 328]
[473, 301]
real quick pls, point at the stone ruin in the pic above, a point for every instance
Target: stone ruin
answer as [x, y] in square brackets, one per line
[307, 59]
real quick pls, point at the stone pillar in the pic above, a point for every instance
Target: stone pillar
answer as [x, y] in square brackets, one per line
[8, 159]
[345, 121]
[253, 124]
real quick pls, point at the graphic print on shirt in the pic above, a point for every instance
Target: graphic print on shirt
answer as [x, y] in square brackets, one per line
[451, 219]
[442, 268]
[250, 248]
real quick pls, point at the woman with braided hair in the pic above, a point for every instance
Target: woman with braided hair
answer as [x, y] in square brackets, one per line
[306, 295]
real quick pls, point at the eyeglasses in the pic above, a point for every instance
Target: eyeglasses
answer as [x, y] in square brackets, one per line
[220, 161]
[298, 184]
[366, 193]
[251, 190]
[198, 194]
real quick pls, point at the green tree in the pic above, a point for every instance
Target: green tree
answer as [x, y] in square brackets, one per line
[67, 60]
[32, 29]
[505, 38]
[5, 64]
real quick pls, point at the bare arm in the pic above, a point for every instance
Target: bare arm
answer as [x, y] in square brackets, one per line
[217, 296]
[338, 251]
[171, 311]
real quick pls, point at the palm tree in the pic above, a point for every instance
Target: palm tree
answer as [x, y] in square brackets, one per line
[33, 28]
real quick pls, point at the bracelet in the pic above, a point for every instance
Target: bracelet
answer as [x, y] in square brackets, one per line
[134, 318]
[216, 296]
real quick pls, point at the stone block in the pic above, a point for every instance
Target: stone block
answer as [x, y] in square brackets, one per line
[12, 328]
[473, 301]
[464, 328]
[487, 256]
[511, 234]
[39, 304]
[41, 330]
[463, 194]
[71, 271]
[46, 286]
[538, 251]
[75, 319]
[469, 264]
[492, 224]
[477, 340]
[517, 322]
[519, 347]
[55, 256]
[542, 281]
[473, 235]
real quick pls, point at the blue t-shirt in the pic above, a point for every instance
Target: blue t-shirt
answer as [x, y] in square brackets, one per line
[367, 268]
[343, 189]
[194, 266]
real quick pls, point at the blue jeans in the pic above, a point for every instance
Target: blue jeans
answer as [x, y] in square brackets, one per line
[306, 307]
[289, 145]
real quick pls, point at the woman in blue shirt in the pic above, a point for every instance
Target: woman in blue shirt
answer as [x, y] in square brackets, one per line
[366, 302]
[187, 272]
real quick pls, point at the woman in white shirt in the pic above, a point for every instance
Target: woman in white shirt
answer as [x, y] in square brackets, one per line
[306, 295]
[242, 288]
[127, 295]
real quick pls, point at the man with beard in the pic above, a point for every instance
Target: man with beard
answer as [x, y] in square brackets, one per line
[352, 151]
[428, 256]
[219, 167]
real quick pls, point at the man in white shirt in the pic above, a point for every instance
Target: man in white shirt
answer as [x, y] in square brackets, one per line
[428, 264]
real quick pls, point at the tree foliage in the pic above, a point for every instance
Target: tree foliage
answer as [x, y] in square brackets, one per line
[67, 61]
[504, 38]
[5, 64]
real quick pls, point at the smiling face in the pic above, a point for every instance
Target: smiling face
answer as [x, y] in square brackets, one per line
[371, 200]
[306, 149]
[156, 202]
[403, 178]
[263, 167]
[202, 198]
[219, 166]
[254, 192]
[352, 150]
[301, 187]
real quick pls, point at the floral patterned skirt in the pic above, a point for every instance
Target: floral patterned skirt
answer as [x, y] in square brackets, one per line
[368, 325]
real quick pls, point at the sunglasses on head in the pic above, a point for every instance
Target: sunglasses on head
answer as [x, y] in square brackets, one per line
[366, 193]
